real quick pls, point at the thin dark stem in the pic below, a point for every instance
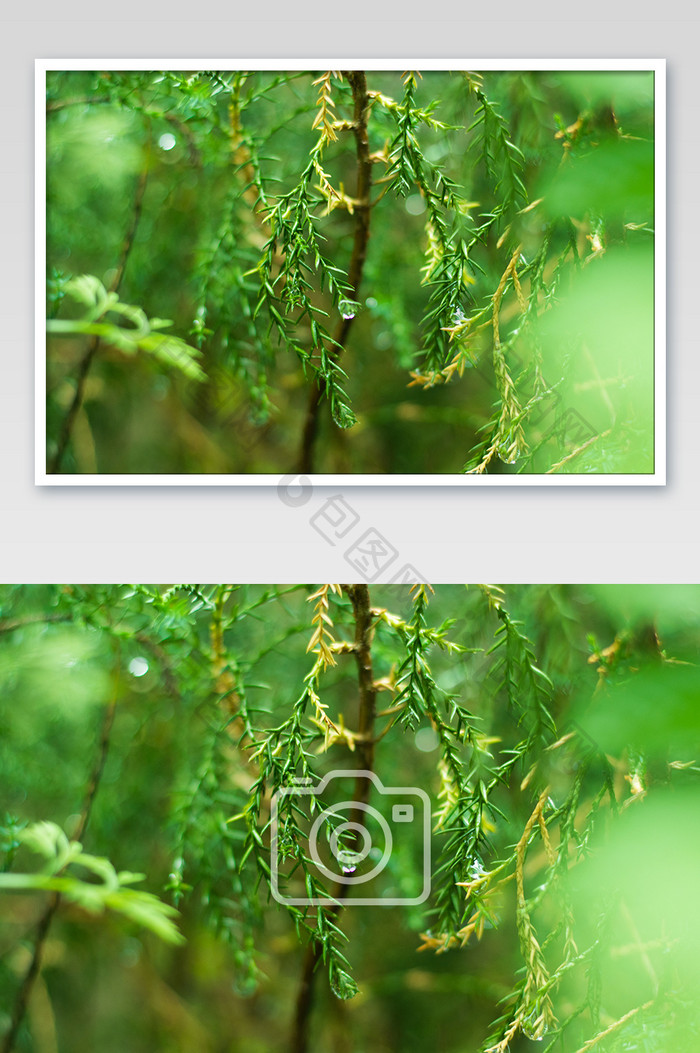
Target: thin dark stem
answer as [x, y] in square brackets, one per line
[362, 611]
[10, 625]
[362, 211]
[77, 100]
[99, 765]
[93, 100]
[93, 347]
[22, 1000]
[69, 421]
[304, 1002]
[169, 679]
[44, 923]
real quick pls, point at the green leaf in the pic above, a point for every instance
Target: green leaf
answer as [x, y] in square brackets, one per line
[48, 840]
[343, 415]
[172, 351]
[166, 348]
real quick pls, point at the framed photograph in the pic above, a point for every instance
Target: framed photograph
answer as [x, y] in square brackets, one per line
[362, 275]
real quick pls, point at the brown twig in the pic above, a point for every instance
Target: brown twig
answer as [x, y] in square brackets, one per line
[93, 100]
[93, 347]
[361, 214]
[10, 625]
[44, 923]
[362, 611]
[22, 1000]
[53, 105]
[304, 1001]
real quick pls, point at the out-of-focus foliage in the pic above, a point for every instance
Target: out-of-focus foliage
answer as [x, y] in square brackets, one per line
[555, 730]
[109, 891]
[498, 317]
[140, 335]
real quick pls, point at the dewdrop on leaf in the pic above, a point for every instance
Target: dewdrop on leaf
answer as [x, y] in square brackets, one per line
[348, 309]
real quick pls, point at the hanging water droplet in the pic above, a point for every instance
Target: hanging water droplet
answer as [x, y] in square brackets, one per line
[534, 1027]
[348, 309]
[343, 985]
[507, 454]
[349, 860]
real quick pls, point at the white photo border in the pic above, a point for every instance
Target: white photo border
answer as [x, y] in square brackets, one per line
[656, 66]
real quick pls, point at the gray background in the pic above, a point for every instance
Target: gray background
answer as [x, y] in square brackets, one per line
[447, 534]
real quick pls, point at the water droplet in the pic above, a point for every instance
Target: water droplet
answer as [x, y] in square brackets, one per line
[138, 666]
[167, 141]
[507, 454]
[415, 204]
[348, 309]
[427, 739]
[534, 1027]
[349, 870]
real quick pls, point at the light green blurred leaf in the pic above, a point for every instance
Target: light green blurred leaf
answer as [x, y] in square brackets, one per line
[656, 710]
[166, 348]
[625, 90]
[652, 860]
[48, 840]
[614, 179]
[599, 336]
[670, 607]
[171, 351]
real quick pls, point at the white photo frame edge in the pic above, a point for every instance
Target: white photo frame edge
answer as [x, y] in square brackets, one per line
[657, 478]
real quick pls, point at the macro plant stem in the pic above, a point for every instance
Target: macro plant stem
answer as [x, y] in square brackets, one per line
[361, 216]
[94, 345]
[10, 625]
[362, 610]
[362, 650]
[49, 912]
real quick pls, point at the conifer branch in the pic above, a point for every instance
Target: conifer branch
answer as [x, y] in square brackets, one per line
[364, 620]
[361, 218]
